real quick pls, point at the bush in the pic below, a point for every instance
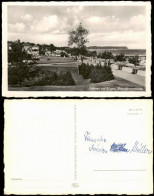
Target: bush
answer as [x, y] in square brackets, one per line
[46, 79]
[134, 60]
[12, 77]
[21, 65]
[66, 79]
[42, 52]
[91, 54]
[85, 70]
[105, 55]
[54, 78]
[96, 73]
[101, 74]
[20, 71]
[63, 54]
[120, 57]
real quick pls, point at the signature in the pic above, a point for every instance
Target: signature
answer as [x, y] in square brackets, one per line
[98, 144]
[140, 148]
[97, 149]
[118, 147]
[89, 138]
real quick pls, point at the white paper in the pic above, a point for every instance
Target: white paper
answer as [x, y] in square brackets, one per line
[63, 147]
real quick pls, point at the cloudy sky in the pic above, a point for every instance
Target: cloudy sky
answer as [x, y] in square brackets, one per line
[108, 26]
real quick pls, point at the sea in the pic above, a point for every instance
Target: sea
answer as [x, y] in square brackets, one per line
[127, 52]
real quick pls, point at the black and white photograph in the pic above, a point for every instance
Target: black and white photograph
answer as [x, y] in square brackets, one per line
[76, 48]
[76, 89]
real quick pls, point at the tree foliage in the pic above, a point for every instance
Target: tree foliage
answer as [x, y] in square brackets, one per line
[17, 53]
[91, 54]
[106, 55]
[44, 47]
[96, 73]
[85, 70]
[21, 65]
[78, 38]
[54, 78]
[63, 54]
[120, 57]
[101, 74]
[134, 60]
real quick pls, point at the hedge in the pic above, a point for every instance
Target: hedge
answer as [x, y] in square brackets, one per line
[96, 73]
[54, 78]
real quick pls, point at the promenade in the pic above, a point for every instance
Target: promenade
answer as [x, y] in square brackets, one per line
[137, 79]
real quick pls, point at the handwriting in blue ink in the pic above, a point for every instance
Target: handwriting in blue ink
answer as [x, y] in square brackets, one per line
[98, 144]
[118, 147]
[97, 149]
[140, 148]
[88, 138]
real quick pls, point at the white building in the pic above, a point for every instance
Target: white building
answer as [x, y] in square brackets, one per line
[34, 50]
[28, 48]
[48, 52]
[58, 52]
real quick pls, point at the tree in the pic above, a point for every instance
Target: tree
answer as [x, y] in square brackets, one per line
[91, 54]
[85, 70]
[63, 54]
[52, 48]
[21, 65]
[96, 73]
[78, 38]
[41, 50]
[17, 52]
[107, 55]
[101, 74]
[134, 60]
[120, 57]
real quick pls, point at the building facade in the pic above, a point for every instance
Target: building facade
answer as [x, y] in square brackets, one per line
[34, 50]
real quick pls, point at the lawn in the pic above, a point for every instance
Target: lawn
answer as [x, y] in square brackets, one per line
[118, 84]
[50, 60]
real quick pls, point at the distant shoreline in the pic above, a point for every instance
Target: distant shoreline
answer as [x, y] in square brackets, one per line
[109, 47]
[140, 52]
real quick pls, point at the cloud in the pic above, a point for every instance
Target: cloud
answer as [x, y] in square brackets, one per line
[107, 25]
[46, 24]
[27, 18]
[48, 38]
[17, 27]
[112, 23]
[74, 10]
[94, 19]
[138, 22]
[102, 24]
[124, 38]
[54, 24]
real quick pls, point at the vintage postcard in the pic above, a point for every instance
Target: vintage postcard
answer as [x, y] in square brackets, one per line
[78, 146]
[83, 49]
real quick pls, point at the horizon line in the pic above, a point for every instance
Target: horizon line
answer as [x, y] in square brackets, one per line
[86, 46]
